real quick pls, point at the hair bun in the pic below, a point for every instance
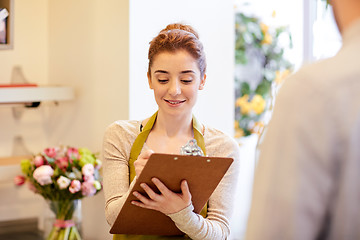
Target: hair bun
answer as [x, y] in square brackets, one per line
[180, 26]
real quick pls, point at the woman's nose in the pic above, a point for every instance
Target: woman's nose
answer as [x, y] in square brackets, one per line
[175, 88]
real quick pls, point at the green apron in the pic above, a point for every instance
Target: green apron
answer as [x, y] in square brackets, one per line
[134, 153]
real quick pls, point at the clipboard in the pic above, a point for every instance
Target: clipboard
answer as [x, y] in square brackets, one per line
[203, 174]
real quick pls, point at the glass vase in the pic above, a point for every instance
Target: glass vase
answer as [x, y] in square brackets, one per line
[65, 222]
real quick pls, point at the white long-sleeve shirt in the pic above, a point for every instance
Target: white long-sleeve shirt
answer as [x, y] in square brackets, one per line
[118, 140]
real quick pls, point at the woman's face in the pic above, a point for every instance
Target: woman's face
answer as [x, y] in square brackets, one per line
[175, 79]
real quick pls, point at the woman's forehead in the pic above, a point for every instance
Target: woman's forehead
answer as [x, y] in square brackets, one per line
[178, 60]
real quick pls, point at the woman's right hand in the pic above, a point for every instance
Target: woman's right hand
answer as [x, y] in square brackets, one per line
[141, 161]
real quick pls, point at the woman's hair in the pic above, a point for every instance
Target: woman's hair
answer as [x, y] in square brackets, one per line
[175, 37]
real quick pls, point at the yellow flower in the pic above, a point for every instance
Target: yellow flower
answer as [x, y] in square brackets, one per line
[246, 108]
[239, 133]
[264, 28]
[267, 39]
[258, 104]
[243, 104]
[236, 125]
[242, 100]
[280, 76]
[273, 14]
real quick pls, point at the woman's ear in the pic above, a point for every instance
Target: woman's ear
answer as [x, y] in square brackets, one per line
[149, 80]
[202, 83]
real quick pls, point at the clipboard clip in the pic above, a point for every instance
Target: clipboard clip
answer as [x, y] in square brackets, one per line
[191, 148]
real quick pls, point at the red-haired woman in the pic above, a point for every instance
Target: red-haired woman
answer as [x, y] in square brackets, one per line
[176, 73]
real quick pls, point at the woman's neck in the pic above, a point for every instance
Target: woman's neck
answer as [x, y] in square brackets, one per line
[170, 125]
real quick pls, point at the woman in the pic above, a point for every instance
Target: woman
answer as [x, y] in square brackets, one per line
[176, 72]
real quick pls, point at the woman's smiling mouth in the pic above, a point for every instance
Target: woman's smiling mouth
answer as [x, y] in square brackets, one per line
[174, 102]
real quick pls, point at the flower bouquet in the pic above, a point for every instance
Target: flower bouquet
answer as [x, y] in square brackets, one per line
[62, 175]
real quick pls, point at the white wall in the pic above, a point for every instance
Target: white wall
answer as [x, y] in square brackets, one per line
[89, 50]
[214, 21]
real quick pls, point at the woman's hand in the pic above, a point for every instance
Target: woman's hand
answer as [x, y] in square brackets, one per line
[167, 202]
[141, 161]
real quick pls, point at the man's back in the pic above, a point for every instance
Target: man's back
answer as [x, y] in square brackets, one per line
[307, 184]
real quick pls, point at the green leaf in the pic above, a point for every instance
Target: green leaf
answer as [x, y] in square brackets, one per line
[263, 88]
[240, 57]
[49, 159]
[58, 172]
[245, 88]
[246, 132]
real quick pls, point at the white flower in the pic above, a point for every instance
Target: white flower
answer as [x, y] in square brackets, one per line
[63, 182]
[88, 169]
[43, 174]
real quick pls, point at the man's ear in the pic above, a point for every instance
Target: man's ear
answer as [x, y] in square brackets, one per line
[202, 83]
[149, 80]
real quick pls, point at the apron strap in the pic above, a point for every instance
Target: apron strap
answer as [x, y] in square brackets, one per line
[198, 134]
[139, 143]
[141, 138]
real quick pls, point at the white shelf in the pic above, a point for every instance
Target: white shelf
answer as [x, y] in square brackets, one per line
[10, 95]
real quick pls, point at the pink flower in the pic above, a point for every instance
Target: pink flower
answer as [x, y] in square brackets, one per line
[63, 182]
[89, 178]
[50, 152]
[38, 161]
[43, 174]
[62, 162]
[88, 189]
[73, 153]
[88, 169]
[75, 186]
[19, 180]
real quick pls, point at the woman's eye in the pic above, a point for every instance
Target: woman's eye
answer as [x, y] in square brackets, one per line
[162, 80]
[186, 81]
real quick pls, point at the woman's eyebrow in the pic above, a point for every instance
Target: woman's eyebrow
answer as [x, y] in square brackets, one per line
[182, 72]
[188, 71]
[161, 71]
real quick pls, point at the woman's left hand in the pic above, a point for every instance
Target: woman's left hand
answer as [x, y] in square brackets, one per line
[167, 201]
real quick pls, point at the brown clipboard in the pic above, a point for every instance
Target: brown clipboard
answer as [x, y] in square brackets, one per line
[203, 174]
